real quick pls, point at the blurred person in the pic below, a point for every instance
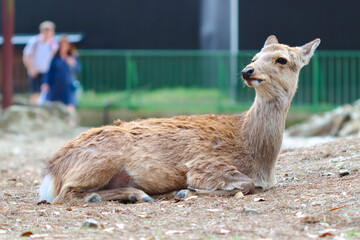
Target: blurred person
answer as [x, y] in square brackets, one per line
[37, 56]
[59, 83]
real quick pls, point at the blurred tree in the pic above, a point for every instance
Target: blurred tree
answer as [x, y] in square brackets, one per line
[7, 51]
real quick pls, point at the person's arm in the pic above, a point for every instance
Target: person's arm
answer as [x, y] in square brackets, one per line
[27, 57]
[74, 64]
[54, 45]
[77, 66]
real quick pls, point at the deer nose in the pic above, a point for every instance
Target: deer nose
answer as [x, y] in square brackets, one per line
[247, 73]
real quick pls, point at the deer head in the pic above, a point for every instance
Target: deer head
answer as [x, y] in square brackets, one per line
[274, 71]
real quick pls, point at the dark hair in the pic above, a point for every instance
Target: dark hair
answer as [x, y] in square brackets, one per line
[72, 51]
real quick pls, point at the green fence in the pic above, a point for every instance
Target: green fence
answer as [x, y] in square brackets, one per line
[332, 77]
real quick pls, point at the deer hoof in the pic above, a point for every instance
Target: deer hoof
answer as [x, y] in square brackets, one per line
[133, 199]
[181, 194]
[192, 189]
[93, 198]
[148, 199]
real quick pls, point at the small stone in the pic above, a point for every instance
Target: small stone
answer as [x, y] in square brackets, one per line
[340, 165]
[316, 203]
[120, 226]
[16, 151]
[300, 215]
[344, 172]
[90, 223]
[259, 199]
[19, 184]
[224, 231]
[328, 174]
[110, 230]
[239, 195]
[214, 210]
[249, 211]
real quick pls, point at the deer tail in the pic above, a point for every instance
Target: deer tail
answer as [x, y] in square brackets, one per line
[47, 189]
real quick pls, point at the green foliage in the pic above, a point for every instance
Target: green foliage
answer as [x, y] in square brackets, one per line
[188, 100]
[180, 99]
[353, 234]
[167, 102]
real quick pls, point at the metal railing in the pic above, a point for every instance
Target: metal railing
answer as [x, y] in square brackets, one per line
[332, 77]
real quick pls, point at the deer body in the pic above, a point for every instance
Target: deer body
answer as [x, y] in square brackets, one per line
[127, 161]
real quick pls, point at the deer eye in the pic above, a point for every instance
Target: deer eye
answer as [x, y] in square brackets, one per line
[282, 61]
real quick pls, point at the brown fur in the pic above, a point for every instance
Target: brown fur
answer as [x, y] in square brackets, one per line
[213, 153]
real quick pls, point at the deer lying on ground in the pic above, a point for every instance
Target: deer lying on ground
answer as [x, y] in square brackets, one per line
[207, 154]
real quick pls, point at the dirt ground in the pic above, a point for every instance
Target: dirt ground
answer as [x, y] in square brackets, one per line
[310, 201]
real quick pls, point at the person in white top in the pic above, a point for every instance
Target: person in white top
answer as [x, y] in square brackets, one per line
[37, 56]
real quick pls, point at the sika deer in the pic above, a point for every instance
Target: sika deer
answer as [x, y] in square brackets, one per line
[213, 154]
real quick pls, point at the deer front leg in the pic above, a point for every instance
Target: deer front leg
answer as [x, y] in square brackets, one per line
[184, 193]
[215, 178]
[127, 194]
[124, 194]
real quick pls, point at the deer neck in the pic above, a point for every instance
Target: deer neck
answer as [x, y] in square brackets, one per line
[263, 130]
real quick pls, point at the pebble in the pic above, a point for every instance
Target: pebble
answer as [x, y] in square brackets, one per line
[344, 172]
[91, 223]
[250, 211]
[328, 174]
[16, 151]
[239, 195]
[340, 165]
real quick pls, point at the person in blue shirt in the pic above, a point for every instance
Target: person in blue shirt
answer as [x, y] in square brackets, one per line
[59, 81]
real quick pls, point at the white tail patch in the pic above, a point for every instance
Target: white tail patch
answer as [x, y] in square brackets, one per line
[47, 189]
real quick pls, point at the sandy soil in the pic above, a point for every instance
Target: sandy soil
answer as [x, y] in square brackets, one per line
[311, 200]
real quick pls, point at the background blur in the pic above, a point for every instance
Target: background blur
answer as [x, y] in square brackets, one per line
[144, 58]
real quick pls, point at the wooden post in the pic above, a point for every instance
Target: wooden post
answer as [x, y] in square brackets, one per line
[7, 52]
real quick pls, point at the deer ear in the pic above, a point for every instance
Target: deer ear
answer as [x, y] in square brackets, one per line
[307, 51]
[271, 40]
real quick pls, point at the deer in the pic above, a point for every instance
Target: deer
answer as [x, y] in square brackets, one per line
[185, 155]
